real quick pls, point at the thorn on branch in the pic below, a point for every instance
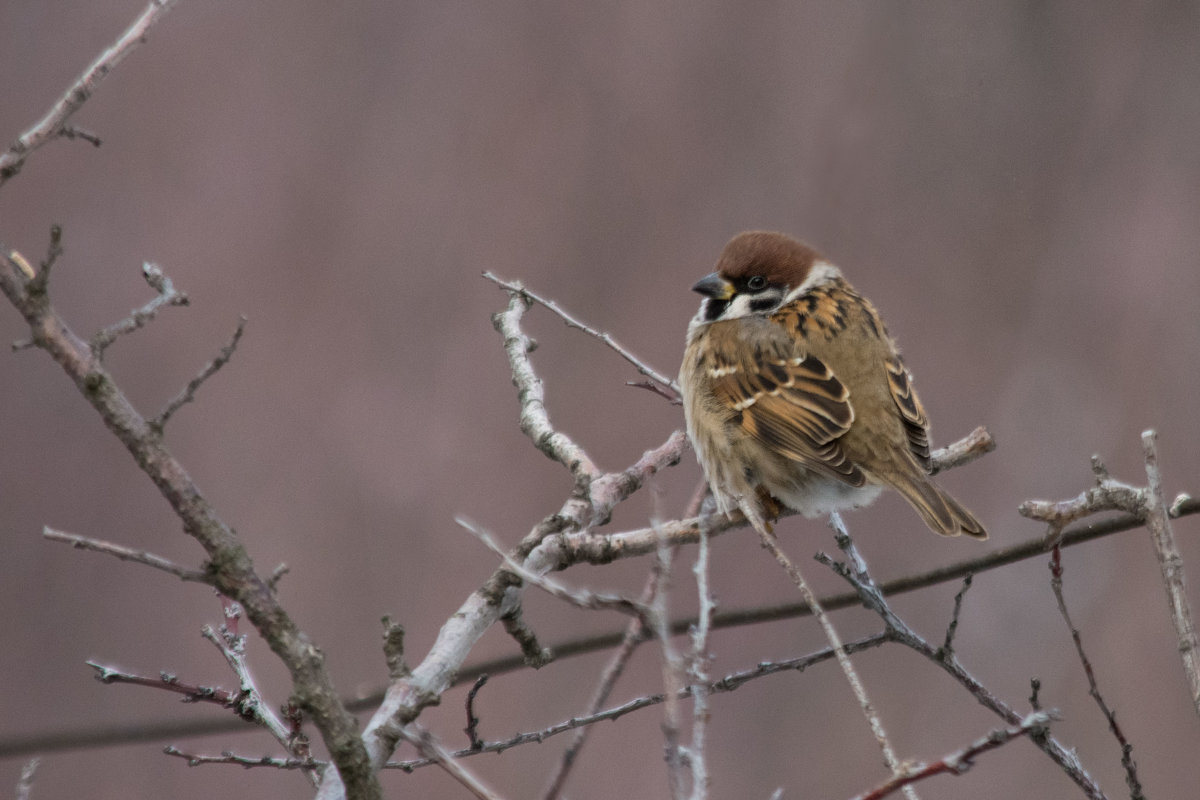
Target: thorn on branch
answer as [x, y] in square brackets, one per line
[472, 719]
[1035, 688]
[72, 132]
[159, 422]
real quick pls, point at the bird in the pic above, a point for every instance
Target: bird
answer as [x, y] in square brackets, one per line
[796, 396]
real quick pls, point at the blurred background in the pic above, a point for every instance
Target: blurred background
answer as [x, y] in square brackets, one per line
[1015, 185]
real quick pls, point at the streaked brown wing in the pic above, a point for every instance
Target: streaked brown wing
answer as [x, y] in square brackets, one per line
[916, 424]
[793, 404]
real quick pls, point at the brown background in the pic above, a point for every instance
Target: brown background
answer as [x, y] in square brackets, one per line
[1016, 185]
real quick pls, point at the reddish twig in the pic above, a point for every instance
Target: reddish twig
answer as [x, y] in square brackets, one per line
[960, 761]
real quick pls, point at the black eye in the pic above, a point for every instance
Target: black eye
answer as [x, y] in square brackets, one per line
[756, 283]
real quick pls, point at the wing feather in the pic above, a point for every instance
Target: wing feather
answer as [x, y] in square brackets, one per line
[793, 404]
[916, 424]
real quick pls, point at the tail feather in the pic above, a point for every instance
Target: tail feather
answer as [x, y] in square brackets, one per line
[941, 512]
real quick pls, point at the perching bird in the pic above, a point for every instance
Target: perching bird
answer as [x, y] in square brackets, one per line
[795, 393]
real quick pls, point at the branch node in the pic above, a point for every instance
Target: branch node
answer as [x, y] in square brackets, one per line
[393, 649]
[140, 317]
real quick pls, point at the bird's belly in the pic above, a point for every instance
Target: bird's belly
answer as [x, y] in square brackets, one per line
[815, 495]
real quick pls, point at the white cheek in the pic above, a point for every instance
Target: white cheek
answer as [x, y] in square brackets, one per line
[821, 272]
[738, 307]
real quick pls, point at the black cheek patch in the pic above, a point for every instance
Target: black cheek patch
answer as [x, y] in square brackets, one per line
[714, 308]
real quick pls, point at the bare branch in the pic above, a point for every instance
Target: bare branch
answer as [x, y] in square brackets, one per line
[974, 445]
[393, 649]
[890, 760]
[192, 693]
[636, 632]
[428, 746]
[23, 745]
[1107, 495]
[250, 702]
[25, 782]
[1170, 562]
[871, 596]
[960, 761]
[125, 554]
[230, 568]
[197, 760]
[189, 392]
[952, 628]
[659, 379]
[580, 598]
[729, 683]
[472, 729]
[535, 422]
[139, 318]
[1131, 776]
[672, 669]
[54, 124]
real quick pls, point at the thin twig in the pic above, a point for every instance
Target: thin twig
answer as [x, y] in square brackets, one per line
[890, 760]
[948, 645]
[729, 683]
[641, 366]
[53, 124]
[189, 392]
[192, 693]
[429, 747]
[1108, 494]
[168, 295]
[580, 598]
[672, 669]
[230, 569]
[250, 705]
[227, 757]
[125, 554]
[698, 663]
[1131, 776]
[960, 761]
[102, 735]
[1170, 562]
[974, 445]
[871, 596]
[25, 782]
[472, 729]
[636, 632]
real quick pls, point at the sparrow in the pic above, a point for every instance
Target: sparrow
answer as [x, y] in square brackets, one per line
[796, 395]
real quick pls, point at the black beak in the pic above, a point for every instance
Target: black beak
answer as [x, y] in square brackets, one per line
[714, 286]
